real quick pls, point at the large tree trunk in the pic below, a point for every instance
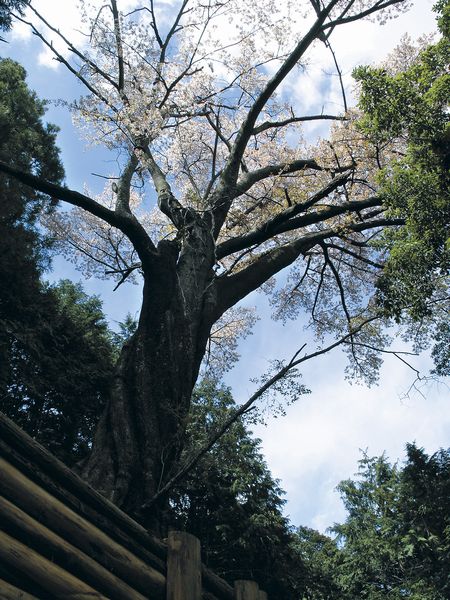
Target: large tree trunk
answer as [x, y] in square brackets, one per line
[140, 435]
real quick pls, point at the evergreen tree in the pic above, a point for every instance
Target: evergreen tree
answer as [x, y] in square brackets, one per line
[5, 15]
[395, 540]
[231, 502]
[23, 252]
[407, 99]
[321, 560]
[58, 376]
[56, 355]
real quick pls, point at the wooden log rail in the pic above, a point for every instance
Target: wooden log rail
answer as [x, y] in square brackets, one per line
[59, 538]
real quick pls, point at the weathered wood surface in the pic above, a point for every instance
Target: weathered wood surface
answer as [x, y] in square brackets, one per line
[21, 581]
[246, 590]
[49, 545]
[49, 576]
[216, 585]
[262, 595]
[48, 472]
[85, 536]
[10, 592]
[184, 581]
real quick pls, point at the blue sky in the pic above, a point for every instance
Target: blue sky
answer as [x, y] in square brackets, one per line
[318, 442]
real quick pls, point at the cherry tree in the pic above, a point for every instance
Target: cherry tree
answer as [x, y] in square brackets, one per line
[191, 95]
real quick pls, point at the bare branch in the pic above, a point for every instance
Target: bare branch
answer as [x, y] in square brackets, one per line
[128, 224]
[233, 288]
[154, 25]
[355, 255]
[339, 72]
[273, 124]
[380, 5]
[125, 274]
[318, 290]
[329, 262]
[172, 30]
[245, 408]
[75, 51]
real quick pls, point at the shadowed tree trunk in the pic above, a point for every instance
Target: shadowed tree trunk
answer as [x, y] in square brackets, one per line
[140, 435]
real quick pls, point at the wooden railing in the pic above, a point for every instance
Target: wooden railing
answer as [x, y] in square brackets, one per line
[61, 539]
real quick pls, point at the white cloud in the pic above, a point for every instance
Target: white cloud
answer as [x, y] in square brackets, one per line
[318, 444]
[66, 18]
[354, 44]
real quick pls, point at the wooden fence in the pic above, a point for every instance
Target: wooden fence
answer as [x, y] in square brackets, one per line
[61, 539]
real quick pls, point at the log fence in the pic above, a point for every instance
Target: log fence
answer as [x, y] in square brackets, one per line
[59, 539]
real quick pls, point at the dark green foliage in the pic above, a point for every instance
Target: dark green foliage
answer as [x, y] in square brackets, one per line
[127, 328]
[5, 15]
[371, 556]
[411, 107]
[55, 350]
[425, 519]
[23, 135]
[395, 542]
[321, 558]
[58, 373]
[232, 503]
[441, 350]
[396, 539]
[23, 252]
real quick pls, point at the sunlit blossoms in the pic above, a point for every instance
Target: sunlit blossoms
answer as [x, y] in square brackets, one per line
[173, 84]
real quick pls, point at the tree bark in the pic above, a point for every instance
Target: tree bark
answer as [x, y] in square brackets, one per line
[141, 433]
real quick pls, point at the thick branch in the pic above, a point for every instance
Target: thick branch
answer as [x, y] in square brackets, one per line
[249, 179]
[288, 220]
[167, 202]
[128, 224]
[274, 124]
[232, 288]
[118, 36]
[123, 190]
[231, 171]
[172, 32]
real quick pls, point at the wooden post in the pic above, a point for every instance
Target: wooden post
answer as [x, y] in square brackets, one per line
[184, 581]
[246, 590]
[262, 595]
